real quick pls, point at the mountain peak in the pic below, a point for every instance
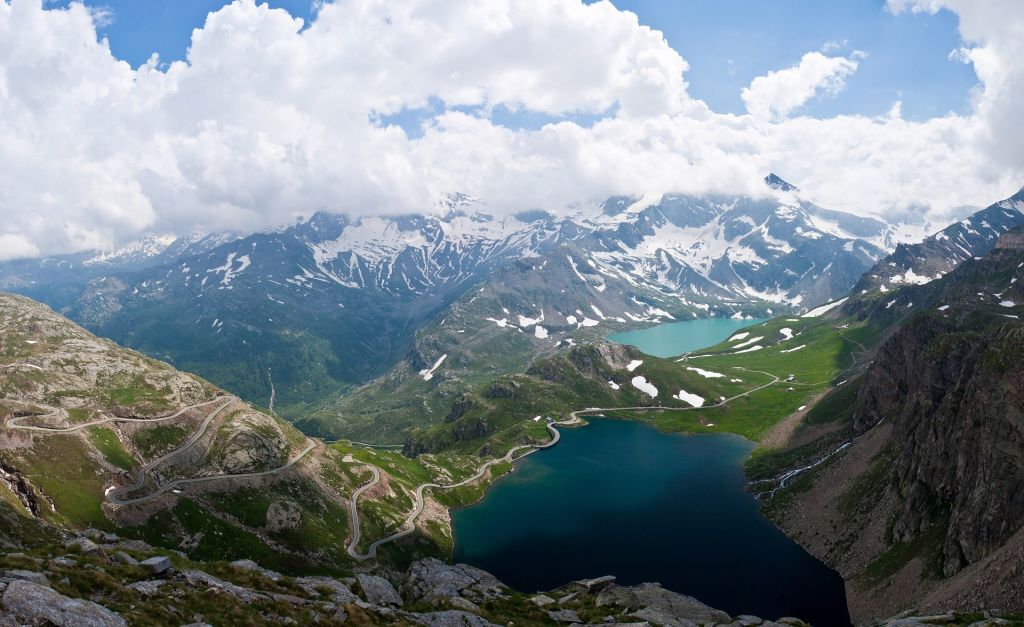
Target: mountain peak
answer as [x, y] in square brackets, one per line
[774, 181]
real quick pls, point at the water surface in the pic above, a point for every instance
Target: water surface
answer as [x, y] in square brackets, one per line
[618, 497]
[675, 338]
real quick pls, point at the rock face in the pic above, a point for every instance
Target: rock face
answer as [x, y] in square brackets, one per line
[34, 602]
[283, 515]
[924, 506]
[378, 590]
[956, 400]
[432, 580]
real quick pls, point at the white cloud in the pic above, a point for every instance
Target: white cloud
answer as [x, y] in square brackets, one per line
[779, 93]
[266, 119]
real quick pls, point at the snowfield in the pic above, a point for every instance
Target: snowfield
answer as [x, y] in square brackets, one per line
[633, 365]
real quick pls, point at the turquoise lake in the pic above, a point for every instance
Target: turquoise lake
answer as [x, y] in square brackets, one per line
[620, 498]
[675, 338]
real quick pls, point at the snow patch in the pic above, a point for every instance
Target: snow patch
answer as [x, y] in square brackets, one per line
[692, 399]
[817, 311]
[429, 374]
[641, 384]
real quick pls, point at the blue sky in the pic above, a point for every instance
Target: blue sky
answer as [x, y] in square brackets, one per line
[726, 42]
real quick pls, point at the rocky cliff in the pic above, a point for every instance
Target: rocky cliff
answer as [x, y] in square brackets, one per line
[926, 505]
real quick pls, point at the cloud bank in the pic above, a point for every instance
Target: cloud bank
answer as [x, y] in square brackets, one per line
[269, 117]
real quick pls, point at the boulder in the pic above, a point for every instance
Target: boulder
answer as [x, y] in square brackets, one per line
[564, 616]
[377, 590]
[157, 565]
[450, 618]
[283, 515]
[199, 578]
[338, 591]
[540, 600]
[597, 584]
[148, 587]
[432, 580]
[82, 545]
[123, 558]
[653, 603]
[256, 568]
[25, 575]
[36, 603]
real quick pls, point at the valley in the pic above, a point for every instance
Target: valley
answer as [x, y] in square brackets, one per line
[169, 459]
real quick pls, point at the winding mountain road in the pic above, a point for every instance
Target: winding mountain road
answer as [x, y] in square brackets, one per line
[112, 494]
[113, 498]
[13, 423]
[408, 525]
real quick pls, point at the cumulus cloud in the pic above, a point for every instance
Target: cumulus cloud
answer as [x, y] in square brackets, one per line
[779, 93]
[268, 117]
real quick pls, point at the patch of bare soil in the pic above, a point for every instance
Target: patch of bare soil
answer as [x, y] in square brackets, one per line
[782, 435]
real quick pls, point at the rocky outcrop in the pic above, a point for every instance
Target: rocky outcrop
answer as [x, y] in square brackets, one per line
[434, 581]
[957, 405]
[40, 604]
[653, 603]
[378, 590]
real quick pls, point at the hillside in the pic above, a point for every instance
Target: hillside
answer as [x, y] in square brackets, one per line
[97, 436]
[921, 508]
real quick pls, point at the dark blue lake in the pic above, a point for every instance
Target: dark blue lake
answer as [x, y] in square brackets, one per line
[621, 498]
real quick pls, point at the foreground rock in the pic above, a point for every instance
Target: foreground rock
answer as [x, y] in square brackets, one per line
[37, 603]
[651, 602]
[430, 593]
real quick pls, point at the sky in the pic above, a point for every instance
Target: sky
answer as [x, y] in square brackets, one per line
[120, 118]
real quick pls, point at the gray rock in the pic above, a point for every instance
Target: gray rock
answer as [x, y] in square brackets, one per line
[569, 598]
[339, 592]
[461, 603]
[450, 618]
[82, 545]
[789, 620]
[109, 538]
[147, 587]
[653, 603]
[378, 590]
[199, 578]
[157, 565]
[432, 580]
[597, 584]
[63, 560]
[136, 545]
[283, 515]
[564, 616]
[540, 600]
[123, 558]
[256, 568]
[33, 602]
[746, 620]
[25, 575]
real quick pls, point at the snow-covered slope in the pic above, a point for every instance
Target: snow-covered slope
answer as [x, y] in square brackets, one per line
[940, 253]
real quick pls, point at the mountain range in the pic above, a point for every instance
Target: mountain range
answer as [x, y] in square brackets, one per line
[314, 309]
